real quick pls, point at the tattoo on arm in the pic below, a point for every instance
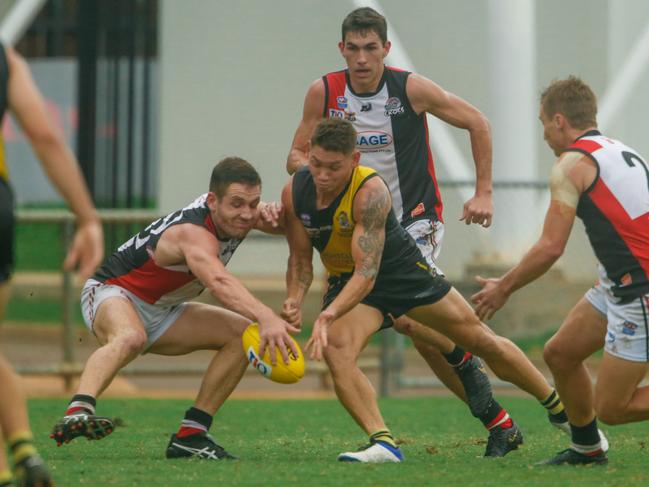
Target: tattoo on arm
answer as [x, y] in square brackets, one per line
[371, 241]
[304, 274]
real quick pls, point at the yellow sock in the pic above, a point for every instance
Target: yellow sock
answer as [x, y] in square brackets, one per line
[385, 436]
[6, 478]
[21, 445]
[553, 403]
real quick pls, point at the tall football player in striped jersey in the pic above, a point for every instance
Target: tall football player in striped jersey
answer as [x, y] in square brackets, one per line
[137, 302]
[388, 108]
[20, 95]
[606, 184]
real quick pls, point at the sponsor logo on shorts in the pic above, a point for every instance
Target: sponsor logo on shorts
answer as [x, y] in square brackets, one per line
[610, 337]
[393, 107]
[629, 328]
[306, 218]
[418, 210]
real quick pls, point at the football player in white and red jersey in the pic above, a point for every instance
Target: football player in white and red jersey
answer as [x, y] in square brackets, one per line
[388, 108]
[138, 302]
[606, 184]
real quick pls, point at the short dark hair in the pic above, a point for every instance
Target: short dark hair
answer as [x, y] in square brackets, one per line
[232, 170]
[335, 135]
[363, 20]
[573, 99]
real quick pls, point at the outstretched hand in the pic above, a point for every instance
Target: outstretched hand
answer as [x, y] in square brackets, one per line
[490, 299]
[87, 249]
[270, 212]
[479, 209]
[319, 341]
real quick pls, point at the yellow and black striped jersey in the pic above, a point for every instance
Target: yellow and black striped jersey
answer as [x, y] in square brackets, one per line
[330, 229]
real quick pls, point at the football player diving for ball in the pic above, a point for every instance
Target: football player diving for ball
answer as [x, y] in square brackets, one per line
[138, 302]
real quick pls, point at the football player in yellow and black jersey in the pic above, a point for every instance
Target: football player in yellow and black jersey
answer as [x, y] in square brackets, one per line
[20, 95]
[376, 274]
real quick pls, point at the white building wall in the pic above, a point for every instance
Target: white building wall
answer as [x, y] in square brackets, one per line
[234, 75]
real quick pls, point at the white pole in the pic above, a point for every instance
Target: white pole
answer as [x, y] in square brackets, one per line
[21, 15]
[626, 79]
[514, 114]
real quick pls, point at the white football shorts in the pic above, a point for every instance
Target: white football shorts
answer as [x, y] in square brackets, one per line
[627, 330]
[156, 319]
[428, 235]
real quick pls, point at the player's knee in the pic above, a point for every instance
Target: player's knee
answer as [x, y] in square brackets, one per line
[609, 413]
[339, 359]
[132, 343]
[554, 354]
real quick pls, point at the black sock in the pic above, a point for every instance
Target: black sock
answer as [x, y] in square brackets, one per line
[82, 402]
[585, 438]
[456, 357]
[196, 421]
[199, 416]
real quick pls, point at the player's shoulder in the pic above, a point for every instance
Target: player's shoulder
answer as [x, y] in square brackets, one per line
[372, 193]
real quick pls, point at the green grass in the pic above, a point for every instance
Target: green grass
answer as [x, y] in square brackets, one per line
[296, 442]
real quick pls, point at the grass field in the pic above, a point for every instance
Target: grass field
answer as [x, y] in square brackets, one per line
[284, 443]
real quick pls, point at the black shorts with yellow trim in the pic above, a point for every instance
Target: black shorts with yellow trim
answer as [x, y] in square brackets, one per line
[7, 231]
[395, 294]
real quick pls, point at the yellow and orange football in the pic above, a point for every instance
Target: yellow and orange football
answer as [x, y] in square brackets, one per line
[283, 373]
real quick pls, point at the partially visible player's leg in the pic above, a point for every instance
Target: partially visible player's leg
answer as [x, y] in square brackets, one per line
[122, 336]
[618, 399]
[347, 337]
[14, 425]
[453, 317]
[580, 335]
[461, 371]
[457, 370]
[205, 327]
[431, 345]
[5, 293]
[121, 333]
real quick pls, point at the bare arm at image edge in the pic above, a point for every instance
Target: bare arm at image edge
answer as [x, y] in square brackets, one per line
[60, 165]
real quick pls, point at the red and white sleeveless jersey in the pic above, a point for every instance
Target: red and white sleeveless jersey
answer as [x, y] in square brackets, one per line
[392, 140]
[615, 212]
[133, 267]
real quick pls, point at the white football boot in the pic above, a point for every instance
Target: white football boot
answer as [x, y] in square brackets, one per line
[378, 452]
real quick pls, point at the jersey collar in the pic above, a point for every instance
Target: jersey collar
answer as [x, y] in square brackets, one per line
[590, 133]
[370, 94]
